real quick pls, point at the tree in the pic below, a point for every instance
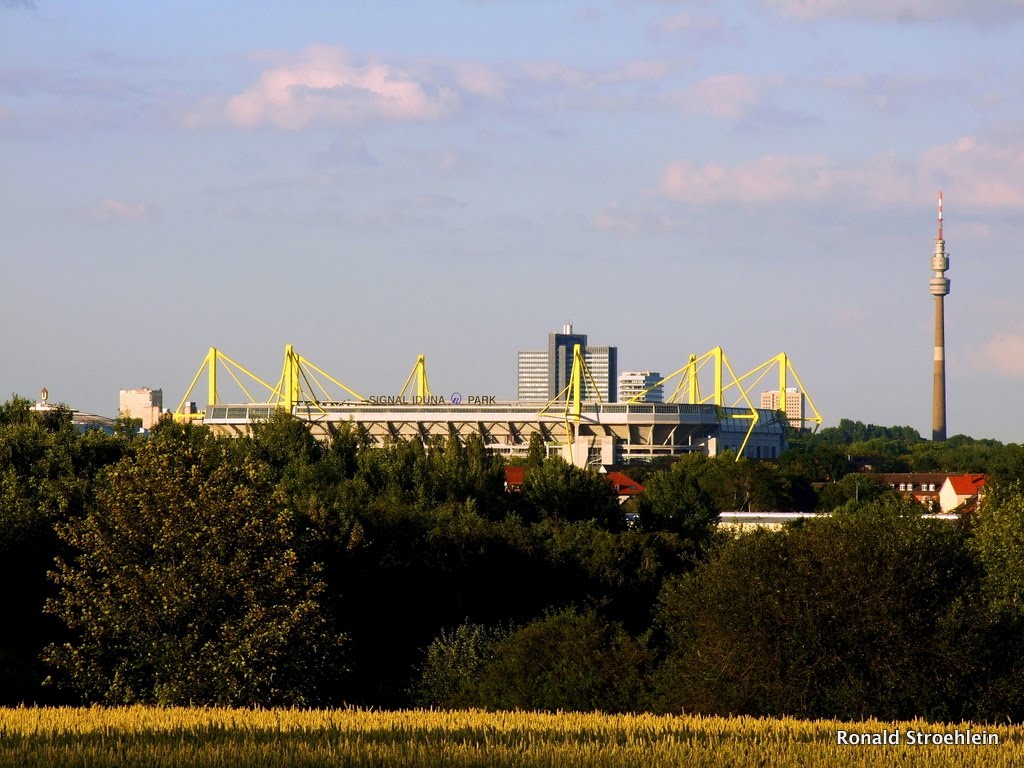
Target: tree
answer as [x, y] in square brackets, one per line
[741, 485]
[1007, 467]
[46, 471]
[572, 660]
[186, 587]
[839, 617]
[999, 541]
[559, 491]
[536, 452]
[853, 490]
[283, 441]
[451, 471]
[674, 501]
[453, 663]
[816, 462]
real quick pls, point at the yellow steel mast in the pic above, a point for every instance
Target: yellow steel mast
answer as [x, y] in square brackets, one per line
[297, 383]
[688, 383]
[572, 412]
[419, 375]
[210, 365]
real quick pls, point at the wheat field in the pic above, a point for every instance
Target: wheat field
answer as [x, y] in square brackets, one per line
[146, 736]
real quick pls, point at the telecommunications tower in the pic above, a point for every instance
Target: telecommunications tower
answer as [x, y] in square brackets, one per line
[939, 287]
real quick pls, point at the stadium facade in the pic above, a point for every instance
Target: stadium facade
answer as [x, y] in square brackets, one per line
[584, 431]
[605, 433]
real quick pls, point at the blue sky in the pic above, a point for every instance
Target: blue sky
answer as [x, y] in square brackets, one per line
[374, 180]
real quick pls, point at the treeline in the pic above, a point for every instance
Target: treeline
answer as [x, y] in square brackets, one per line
[184, 569]
[833, 452]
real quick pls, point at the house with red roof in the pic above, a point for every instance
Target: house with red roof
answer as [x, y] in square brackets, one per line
[923, 487]
[625, 486]
[514, 478]
[961, 492]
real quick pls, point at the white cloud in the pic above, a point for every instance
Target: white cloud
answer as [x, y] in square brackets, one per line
[1002, 354]
[323, 85]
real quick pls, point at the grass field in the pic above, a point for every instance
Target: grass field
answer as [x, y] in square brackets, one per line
[141, 736]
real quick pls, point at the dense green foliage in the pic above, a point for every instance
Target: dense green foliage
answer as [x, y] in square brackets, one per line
[46, 474]
[187, 586]
[566, 660]
[282, 569]
[839, 615]
[835, 451]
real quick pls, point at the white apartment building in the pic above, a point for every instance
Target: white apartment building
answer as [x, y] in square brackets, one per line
[633, 383]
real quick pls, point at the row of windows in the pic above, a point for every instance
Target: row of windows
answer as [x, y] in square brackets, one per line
[924, 487]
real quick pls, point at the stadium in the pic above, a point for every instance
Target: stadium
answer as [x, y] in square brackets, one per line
[583, 431]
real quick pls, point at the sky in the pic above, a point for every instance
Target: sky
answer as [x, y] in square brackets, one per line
[371, 181]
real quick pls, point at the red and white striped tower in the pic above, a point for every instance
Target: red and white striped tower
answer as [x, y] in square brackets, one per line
[939, 287]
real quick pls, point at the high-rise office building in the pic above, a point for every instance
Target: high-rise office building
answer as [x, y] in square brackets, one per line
[560, 347]
[145, 404]
[794, 405]
[634, 383]
[603, 363]
[533, 375]
[542, 375]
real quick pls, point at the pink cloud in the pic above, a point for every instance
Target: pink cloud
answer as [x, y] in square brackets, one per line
[684, 22]
[899, 10]
[984, 175]
[977, 174]
[887, 92]
[852, 317]
[324, 85]
[644, 70]
[1003, 354]
[109, 210]
[637, 71]
[478, 80]
[695, 28]
[615, 218]
[769, 178]
[726, 96]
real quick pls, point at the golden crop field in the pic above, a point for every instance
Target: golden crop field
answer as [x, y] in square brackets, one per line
[146, 736]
